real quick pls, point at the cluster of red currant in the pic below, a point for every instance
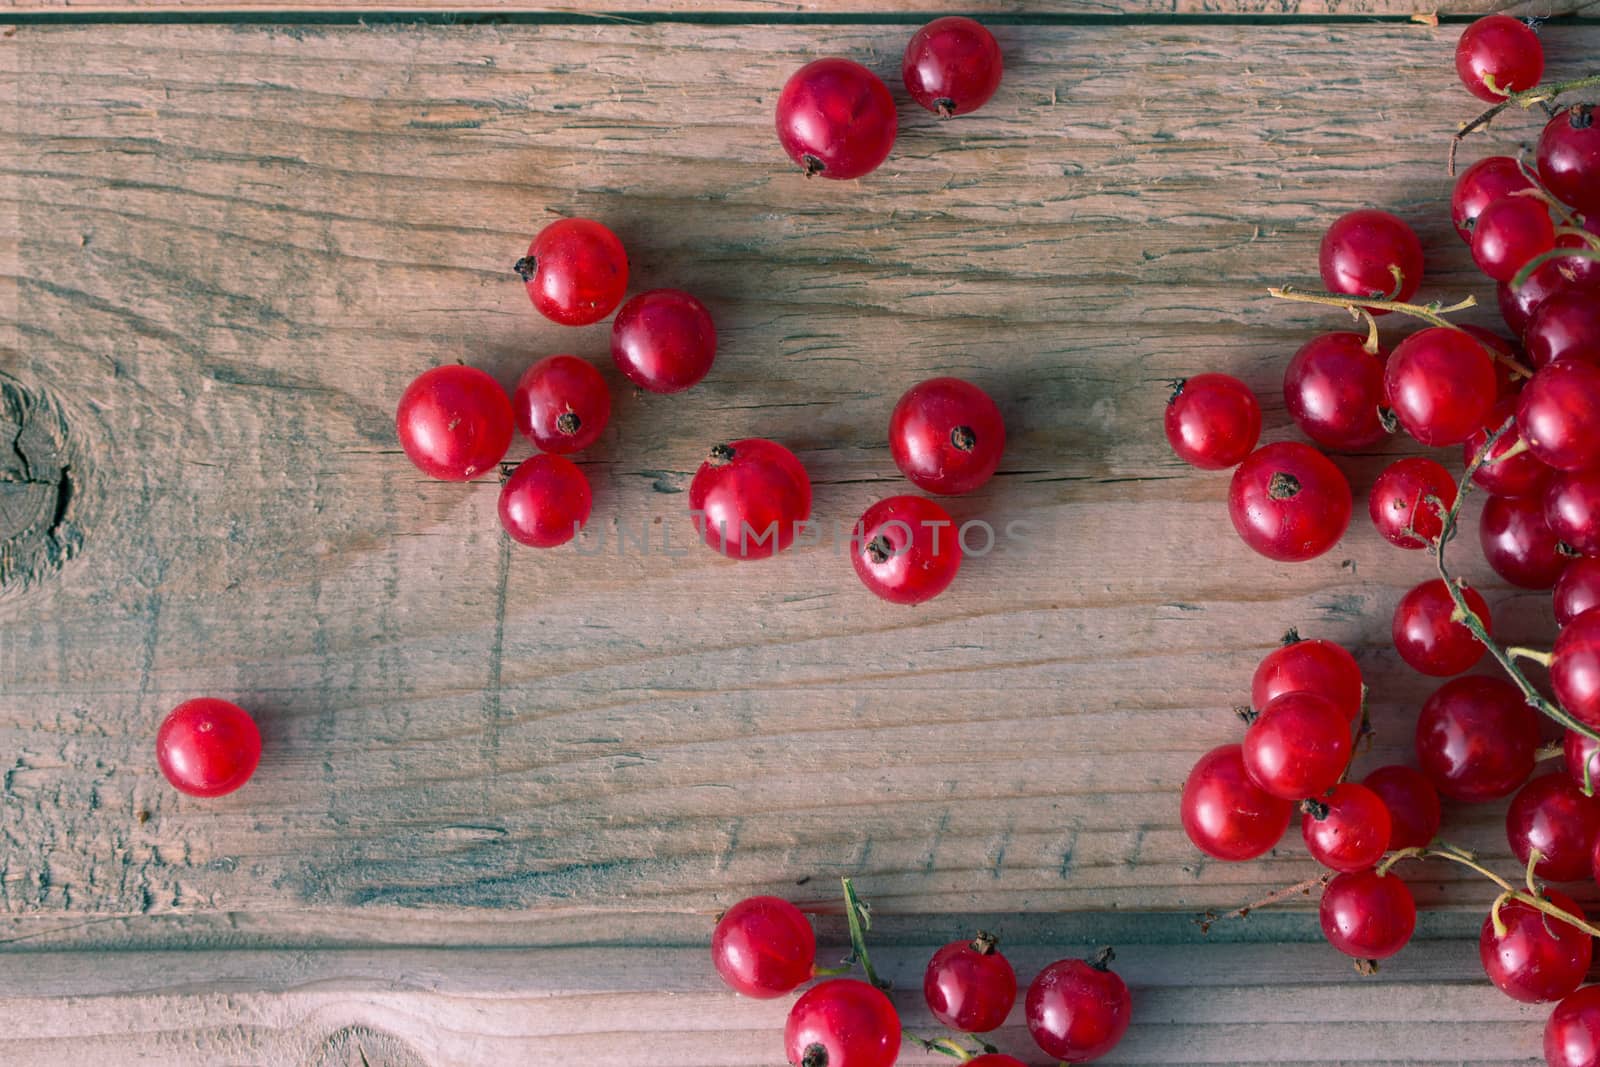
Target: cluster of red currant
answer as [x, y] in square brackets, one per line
[764, 947]
[1527, 417]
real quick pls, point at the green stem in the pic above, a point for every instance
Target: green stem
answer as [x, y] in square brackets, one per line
[831, 972]
[860, 922]
[1433, 314]
[1509, 891]
[942, 1045]
[1518, 652]
[1542, 258]
[1524, 99]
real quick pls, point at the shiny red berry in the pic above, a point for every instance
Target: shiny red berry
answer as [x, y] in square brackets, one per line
[1298, 746]
[1502, 353]
[1552, 815]
[764, 947]
[1519, 544]
[664, 340]
[1572, 1034]
[970, 987]
[1367, 915]
[454, 422]
[1572, 510]
[750, 498]
[1373, 254]
[1565, 326]
[947, 436]
[1517, 306]
[905, 549]
[836, 118]
[952, 66]
[207, 747]
[1539, 957]
[1559, 412]
[1227, 815]
[1577, 590]
[1347, 828]
[1569, 158]
[1581, 754]
[1522, 474]
[545, 502]
[1289, 502]
[1428, 637]
[842, 1023]
[1480, 185]
[1575, 668]
[1409, 501]
[1497, 55]
[1441, 384]
[1413, 804]
[1333, 388]
[576, 271]
[1314, 665]
[995, 1059]
[1077, 1011]
[1213, 421]
[1476, 738]
[1510, 232]
[561, 404]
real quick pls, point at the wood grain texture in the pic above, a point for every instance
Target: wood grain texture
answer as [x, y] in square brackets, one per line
[1224, 1004]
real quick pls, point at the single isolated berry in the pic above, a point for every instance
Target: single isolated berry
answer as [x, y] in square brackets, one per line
[576, 271]
[1510, 232]
[1347, 828]
[1519, 544]
[1480, 185]
[545, 502]
[836, 119]
[1289, 502]
[1538, 957]
[561, 404]
[970, 987]
[664, 340]
[1572, 1035]
[750, 498]
[1551, 815]
[1225, 813]
[1372, 254]
[946, 435]
[764, 947]
[1569, 158]
[906, 549]
[842, 1022]
[1078, 1010]
[1440, 383]
[1498, 55]
[1212, 421]
[952, 66]
[1367, 915]
[207, 747]
[1413, 803]
[1409, 501]
[1333, 388]
[1427, 634]
[1298, 746]
[1476, 739]
[1314, 665]
[1559, 413]
[1577, 590]
[454, 422]
[1575, 668]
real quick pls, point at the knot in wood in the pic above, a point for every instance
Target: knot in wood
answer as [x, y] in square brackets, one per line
[38, 476]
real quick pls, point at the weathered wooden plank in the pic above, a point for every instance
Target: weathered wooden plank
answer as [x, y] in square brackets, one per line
[237, 245]
[1226, 1004]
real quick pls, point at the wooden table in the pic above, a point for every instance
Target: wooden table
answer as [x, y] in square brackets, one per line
[506, 791]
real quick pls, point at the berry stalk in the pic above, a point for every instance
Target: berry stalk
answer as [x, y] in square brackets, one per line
[1525, 99]
[1529, 896]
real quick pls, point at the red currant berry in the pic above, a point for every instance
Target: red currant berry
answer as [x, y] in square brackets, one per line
[1213, 421]
[1314, 666]
[1510, 232]
[1559, 412]
[1577, 590]
[764, 947]
[995, 1059]
[1522, 474]
[454, 422]
[749, 499]
[1298, 747]
[1368, 915]
[545, 502]
[952, 66]
[905, 549]
[664, 340]
[1539, 957]
[1572, 1036]
[1569, 158]
[1412, 801]
[1482, 184]
[842, 1023]
[561, 404]
[1572, 510]
[946, 435]
[207, 747]
[1518, 305]
[1551, 814]
[1503, 353]
[1289, 502]
[969, 986]
[1347, 829]
[1227, 815]
[836, 118]
[1077, 1010]
[1582, 756]
[1409, 501]
[1428, 637]
[1333, 388]
[1565, 326]
[1373, 254]
[1441, 384]
[1519, 544]
[576, 271]
[1575, 668]
[1497, 55]
[1476, 739]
